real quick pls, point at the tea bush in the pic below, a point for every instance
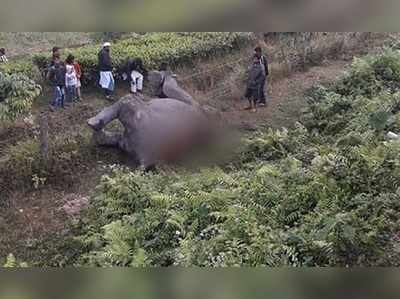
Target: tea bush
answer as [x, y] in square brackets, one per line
[23, 66]
[17, 93]
[325, 193]
[153, 49]
[23, 167]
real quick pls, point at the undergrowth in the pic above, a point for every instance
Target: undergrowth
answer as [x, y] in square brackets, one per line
[325, 193]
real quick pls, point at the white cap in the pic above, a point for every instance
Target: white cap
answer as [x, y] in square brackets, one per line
[107, 44]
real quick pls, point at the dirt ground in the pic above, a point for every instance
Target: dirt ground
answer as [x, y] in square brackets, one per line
[285, 97]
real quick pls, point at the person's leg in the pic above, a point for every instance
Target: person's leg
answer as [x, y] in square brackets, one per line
[78, 93]
[140, 82]
[107, 93]
[78, 90]
[133, 86]
[254, 104]
[137, 81]
[248, 107]
[62, 88]
[73, 93]
[107, 84]
[67, 95]
[261, 94]
[54, 101]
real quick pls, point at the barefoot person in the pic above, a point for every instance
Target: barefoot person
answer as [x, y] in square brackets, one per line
[255, 83]
[107, 82]
[264, 62]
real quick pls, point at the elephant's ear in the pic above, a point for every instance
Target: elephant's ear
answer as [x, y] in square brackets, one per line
[155, 80]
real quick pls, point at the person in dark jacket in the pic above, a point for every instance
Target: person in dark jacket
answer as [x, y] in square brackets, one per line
[255, 83]
[56, 76]
[105, 66]
[264, 62]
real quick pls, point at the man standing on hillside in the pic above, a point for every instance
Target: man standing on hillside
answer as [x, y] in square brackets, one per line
[254, 84]
[105, 66]
[264, 62]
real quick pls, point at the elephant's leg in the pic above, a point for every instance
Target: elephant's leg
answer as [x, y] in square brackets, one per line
[105, 138]
[106, 116]
[146, 161]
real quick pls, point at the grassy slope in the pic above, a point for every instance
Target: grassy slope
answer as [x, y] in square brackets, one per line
[28, 225]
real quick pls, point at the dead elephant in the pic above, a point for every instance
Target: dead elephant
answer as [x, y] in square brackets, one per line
[157, 130]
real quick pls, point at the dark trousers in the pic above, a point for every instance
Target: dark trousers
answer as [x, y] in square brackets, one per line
[107, 92]
[58, 97]
[262, 98]
[70, 93]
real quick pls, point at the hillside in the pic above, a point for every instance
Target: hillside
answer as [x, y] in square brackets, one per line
[282, 199]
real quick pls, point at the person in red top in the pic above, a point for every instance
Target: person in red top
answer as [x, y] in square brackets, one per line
[78, 71]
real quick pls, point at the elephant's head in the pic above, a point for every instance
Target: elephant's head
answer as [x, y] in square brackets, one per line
[156, 79]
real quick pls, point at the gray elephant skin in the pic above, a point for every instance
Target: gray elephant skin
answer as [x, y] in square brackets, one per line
[161, 129]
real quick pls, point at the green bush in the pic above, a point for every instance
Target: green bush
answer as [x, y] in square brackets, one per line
[17, 93]
[22, 66]
[23, 166]
[153, 48]
[372, 74]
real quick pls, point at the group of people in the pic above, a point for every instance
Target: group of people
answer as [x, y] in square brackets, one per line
[65, 77]
[255, 92]
[133, 72]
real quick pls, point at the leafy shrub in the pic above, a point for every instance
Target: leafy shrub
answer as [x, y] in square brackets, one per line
[17, 93]
[11, 262]
[22, 66]
[372, 74]
[153, 49]
[24, 167]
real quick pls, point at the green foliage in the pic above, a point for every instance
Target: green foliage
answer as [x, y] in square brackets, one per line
[24, 167]
[322, 194]
[11, 262]
[153, 49]
[22, 66]
[17, 93]
[372, 74]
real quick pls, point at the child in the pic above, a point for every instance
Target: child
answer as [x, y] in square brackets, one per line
[78, 71]
[57, 78]
[3, 57]
[254, 84]
[71, 79]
